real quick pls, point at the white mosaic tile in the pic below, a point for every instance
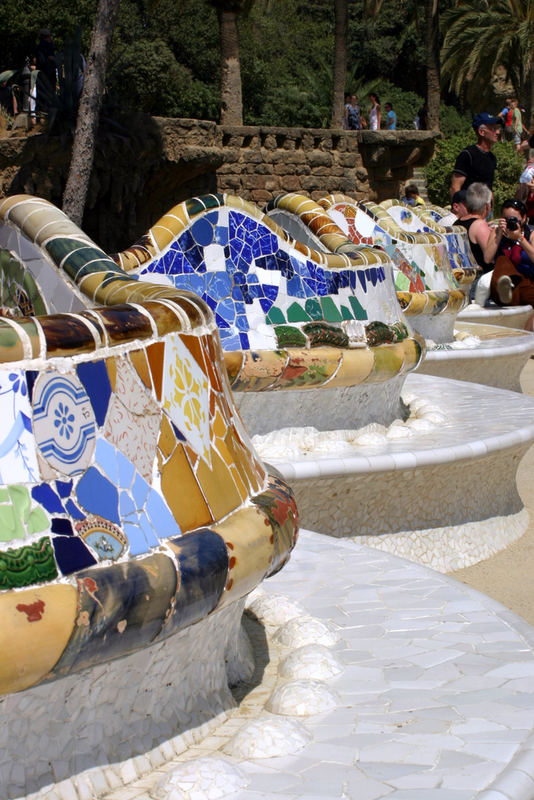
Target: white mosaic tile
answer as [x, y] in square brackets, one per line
[302, 698]
[311, 661]
[201, 779]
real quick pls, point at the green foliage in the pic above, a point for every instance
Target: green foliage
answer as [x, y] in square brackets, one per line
[451, 121]
[147, 77]
[509, 167]
[439, 171]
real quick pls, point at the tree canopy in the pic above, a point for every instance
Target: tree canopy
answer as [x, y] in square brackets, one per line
[165, 56]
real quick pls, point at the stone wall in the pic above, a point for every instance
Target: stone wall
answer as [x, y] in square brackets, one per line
[151, 164]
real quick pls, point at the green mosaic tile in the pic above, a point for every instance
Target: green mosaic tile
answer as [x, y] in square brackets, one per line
[320, 333]
[296, 313]
[313, 307]
[346, 313]
[275, 316]
[17, 518]
[359, 310]
[330, 310]
[195, 205]
[32, 563]
[289, 336]
[402, 282]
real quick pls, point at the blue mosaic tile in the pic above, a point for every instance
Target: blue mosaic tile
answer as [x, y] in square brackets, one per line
[61, 526]
[160, 516]
[203, 564]
[46, 497]
[73, 510]
[221, 235]
[64, 488]
[202, 231]
[95, 380]
[98, 495]
[71, 554]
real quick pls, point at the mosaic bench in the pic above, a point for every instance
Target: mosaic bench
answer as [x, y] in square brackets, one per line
[422, 261]
[330, 223]
[484, 311]
[135, 516]
[289, 317]
[478, 353]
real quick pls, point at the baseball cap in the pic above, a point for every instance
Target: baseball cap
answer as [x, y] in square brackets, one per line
[484, 119]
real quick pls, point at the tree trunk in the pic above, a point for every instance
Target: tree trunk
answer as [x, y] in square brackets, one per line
[433, 95]
[83, 148]
[231, 96]
[529, 116]
[340, 62]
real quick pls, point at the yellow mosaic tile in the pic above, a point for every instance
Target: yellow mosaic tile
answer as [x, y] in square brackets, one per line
[218, 486]
[248, 537]
[354, 368]
[140, 364]
[36, 626]
[182, 492]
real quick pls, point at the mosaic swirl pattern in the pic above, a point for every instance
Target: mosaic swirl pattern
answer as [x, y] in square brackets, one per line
[132, 504]
[427, 287]
[421, 221]
[276, 300]
[288, 315]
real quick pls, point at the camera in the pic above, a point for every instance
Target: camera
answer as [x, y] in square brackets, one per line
[512, 223]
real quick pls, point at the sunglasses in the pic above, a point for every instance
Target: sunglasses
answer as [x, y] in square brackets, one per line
[517, 204]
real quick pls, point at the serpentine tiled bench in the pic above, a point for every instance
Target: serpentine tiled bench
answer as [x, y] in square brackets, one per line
[289, 317]
[423, 275]
[477, 353]
[135, 516]
[489, 313]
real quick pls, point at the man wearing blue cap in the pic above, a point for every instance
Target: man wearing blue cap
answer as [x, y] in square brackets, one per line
[476, 163]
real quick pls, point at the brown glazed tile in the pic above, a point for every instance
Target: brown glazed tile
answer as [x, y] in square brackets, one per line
[155, 353]
[124, 323]
[67, 335]
[140, 364]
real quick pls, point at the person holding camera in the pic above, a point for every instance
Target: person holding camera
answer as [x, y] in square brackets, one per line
[512, 282]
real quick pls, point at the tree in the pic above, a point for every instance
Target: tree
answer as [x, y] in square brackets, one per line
[340, 62]
[83, 148]
[433, 95]
[231, 93]
[483, 35]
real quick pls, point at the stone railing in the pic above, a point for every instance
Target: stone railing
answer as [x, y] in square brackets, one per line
[177, 158]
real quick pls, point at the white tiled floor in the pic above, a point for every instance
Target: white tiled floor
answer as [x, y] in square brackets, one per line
[435, 701]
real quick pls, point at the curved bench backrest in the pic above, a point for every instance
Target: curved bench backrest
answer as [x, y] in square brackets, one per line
[423, 220]
[129, 490]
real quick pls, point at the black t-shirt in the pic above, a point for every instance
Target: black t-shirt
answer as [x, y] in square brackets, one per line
[478, 166]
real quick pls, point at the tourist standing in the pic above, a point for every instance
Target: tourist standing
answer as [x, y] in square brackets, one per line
[476, 163]
[352, 114]
[391, 117]
[517, 125]
[374, 112]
